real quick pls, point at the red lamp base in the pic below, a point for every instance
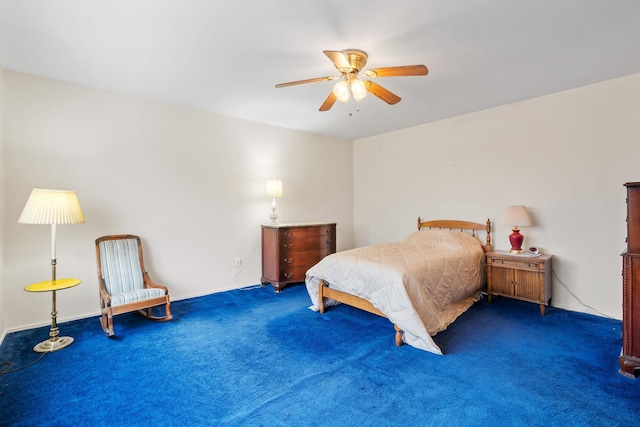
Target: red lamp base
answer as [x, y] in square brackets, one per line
[516, 240]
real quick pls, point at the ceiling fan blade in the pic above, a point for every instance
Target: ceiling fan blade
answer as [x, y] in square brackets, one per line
[382, 93]
[404, 70]
[339, 59]
[328, 103]
[299, 82]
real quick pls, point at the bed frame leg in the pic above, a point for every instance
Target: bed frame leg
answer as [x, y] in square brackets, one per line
[321, 286]
[398, 335]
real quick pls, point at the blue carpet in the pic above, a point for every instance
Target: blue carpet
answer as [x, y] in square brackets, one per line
[254, 357]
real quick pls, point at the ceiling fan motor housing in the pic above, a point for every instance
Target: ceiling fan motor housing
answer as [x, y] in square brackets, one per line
[357, 60]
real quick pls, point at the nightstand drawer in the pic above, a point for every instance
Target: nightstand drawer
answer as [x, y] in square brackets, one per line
[520, 265]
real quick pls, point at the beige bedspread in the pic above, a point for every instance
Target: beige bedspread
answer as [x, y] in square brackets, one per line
[421, 283]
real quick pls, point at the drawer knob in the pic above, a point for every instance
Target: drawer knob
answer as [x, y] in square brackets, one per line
[288, 260]
[288, 234]
[288, 275]
[290, 246]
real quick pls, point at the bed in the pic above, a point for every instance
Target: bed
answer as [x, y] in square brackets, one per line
[421, 283]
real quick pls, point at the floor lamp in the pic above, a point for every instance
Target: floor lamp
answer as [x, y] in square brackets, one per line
[52, 207]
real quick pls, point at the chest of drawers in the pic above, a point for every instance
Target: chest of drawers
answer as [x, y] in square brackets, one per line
[289, 250]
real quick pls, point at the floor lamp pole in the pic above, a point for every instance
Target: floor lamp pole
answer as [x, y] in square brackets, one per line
[55, 341]
[54, 332]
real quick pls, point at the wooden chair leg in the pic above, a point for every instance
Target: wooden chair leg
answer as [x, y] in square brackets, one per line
[106, 321]
[167, 311]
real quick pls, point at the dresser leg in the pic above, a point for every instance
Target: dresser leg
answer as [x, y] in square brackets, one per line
[629, 366]
[276, 286]
[542, 309]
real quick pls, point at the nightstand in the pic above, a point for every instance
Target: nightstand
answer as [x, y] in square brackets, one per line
[523, 277]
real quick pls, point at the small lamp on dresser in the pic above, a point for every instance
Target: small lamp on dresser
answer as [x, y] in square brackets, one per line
[274, 190]
[516, 216]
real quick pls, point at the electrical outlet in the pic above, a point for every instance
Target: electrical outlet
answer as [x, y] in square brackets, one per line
[238, 262]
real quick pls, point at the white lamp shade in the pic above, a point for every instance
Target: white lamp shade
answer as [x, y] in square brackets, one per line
[516, 216]
[341, 91]
[274, 188]
[52, 207]
[359, 89]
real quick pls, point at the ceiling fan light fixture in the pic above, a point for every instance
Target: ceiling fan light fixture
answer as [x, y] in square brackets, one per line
[358, 89]
[351, 63]
[341, 90]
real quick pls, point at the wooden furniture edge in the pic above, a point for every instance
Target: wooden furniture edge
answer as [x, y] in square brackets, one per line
[453, 224]
[354, 301]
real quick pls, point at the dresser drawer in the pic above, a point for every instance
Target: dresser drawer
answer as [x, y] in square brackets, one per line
[295, 233]
[306, 258]
[294, 274]
[305, 243]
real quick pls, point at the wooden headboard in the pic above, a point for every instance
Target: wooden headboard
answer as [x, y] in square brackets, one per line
[453, 224]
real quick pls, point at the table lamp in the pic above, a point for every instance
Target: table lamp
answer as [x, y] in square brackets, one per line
[274, 189]
[52, 207]
[516, 216]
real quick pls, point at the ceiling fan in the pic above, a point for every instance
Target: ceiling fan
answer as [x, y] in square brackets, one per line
[350, 63]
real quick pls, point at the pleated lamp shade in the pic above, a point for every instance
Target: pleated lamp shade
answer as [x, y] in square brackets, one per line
[52, 207]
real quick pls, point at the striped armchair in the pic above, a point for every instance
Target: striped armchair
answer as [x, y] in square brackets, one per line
[124, 283]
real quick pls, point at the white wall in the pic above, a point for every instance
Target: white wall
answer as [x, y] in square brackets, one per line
[190, 183]
[565, 156]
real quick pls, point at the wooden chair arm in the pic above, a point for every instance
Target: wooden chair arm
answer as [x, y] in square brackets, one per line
[151, 284]
[104, 296]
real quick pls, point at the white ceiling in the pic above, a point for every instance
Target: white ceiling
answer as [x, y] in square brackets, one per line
[225, 56]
